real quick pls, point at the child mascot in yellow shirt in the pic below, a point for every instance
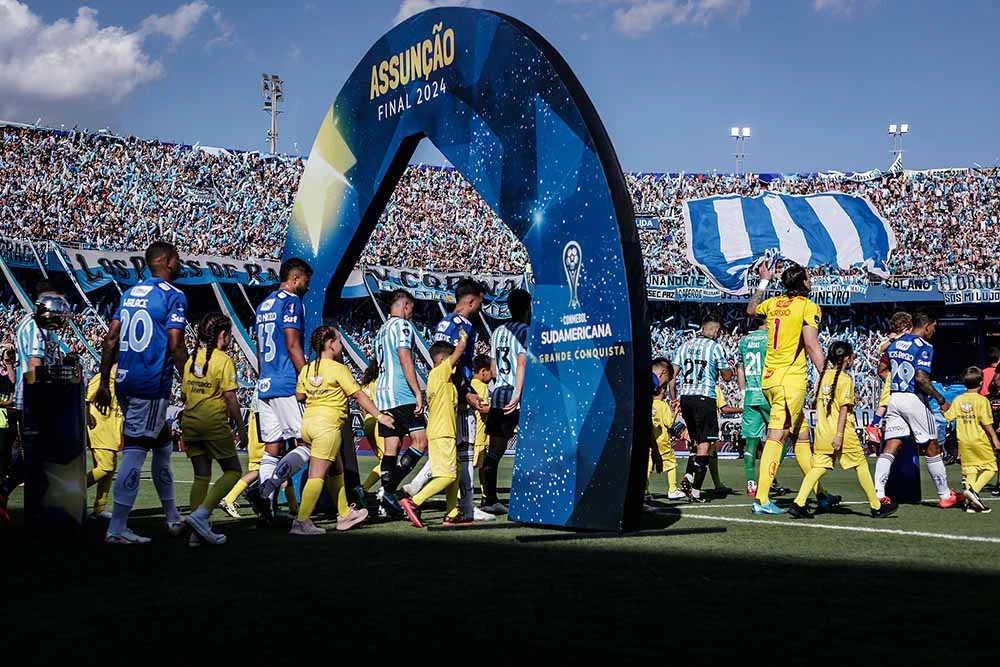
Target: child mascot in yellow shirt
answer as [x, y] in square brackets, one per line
[977, 439]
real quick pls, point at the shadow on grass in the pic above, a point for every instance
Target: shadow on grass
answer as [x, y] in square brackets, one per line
[375, 595]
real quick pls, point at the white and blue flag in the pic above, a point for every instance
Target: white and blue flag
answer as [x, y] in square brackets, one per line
[727, 234]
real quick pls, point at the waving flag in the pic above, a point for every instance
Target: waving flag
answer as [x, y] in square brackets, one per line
[727, 234]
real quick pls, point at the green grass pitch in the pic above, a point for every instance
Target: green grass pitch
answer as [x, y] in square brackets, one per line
[914, 589]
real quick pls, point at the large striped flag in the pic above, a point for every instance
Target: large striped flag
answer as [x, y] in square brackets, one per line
[728, 234]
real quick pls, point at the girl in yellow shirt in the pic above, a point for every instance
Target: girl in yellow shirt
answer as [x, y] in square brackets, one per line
[325, 385]
[836, 434]
[209, 392]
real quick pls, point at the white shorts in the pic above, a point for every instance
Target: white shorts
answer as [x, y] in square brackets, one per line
[279, 419]
[909, 417]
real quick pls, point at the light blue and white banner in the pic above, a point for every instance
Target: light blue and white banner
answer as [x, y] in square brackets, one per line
[728, 234]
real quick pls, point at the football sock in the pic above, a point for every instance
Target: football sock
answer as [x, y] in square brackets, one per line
[290, 463]
[769, 462]
[222, 486]
[713, 468]
[803, 456]
[199, 489]
[868, 485]
[373, 478]
[420, 479]
[406, 463]
[700, 470]
[239, 487]
[750, 459]
[936, 469]
[388, 465]
[337, 489]
[310, 496]
[126, 488]
[883, 466]
[268, 462]
[808, 483]
[466, 461]
[163, 480]
[977, 482]
[491, 468]
[434, 487]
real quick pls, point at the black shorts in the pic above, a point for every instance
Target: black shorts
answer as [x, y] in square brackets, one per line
[701, 416]
[498, 424]
[405, 422]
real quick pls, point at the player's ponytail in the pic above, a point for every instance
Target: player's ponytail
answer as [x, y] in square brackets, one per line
[370, 374]
[839, 350]
[318, 339]
[211, 325]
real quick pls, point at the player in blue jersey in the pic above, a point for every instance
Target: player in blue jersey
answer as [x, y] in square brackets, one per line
[469, 295]
[398, 393]
[699, 364]
[908, 361]
[280, 327]
[146, 336]
[509, 349]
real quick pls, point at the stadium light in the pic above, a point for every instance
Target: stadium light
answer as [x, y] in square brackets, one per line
[896, 132]
[734, 132]
[892, 129]
[746, 132]
[272, 89]
[741, 135]
[904, 128]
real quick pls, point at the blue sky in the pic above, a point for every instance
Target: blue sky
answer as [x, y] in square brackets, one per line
[817, 80]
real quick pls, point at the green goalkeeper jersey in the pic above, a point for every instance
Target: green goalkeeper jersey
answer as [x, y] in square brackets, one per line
[753, 348]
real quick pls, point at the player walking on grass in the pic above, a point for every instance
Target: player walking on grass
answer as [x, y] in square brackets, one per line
[977, 440]
[793, 334]
[899, 324]
[698, 365]
[442, 401]
[146, 335]
[836, 434]
[280, 325]
[325, 385]
[509, 349]
[210, 403]
[104, 433]
[756, 411]
[908, 360]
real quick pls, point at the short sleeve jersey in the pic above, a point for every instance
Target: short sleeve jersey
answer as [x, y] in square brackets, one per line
[391, 389]
[483, 392]
[280, 311]
[442, 401]
[326, 387]
[449, 330]
[786, 353]
[828, 405]
[508, 341]
[663, 419]
[107, 431]
[147, 312]
[753, 352]
[33, 341]
[205, 414]
[970, 412]
[906, 355]
[699, 360]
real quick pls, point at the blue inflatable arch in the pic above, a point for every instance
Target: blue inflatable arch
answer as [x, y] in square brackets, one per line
[501, 104]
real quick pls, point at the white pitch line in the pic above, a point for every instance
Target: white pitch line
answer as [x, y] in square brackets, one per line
[853, 529]
[712, 506]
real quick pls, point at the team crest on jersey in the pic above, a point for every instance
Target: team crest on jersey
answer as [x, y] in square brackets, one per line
[827, 390]
[902, 345]
[316, 380]
[267, 304]
[965, 407]
[140, 290]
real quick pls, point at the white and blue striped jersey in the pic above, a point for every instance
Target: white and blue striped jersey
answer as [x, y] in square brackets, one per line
[33, 341]
[508, 341]
[391, 389]
[699, 360]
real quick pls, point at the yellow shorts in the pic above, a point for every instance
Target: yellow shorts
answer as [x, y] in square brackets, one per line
[443, 457]
[375, 441]
[479, 452]
[975, 470]
[216, 450]
[883, 400]
[323, 436]
[105, 459]
[787, 401]
[255, 448]
[849, 457]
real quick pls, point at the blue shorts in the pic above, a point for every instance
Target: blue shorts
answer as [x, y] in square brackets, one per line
[145, 418]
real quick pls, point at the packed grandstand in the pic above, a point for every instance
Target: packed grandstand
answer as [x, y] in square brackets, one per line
[65, 191]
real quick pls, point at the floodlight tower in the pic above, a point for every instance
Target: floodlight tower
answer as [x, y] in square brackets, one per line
[272, 89]
[741, 135]
[896, 131]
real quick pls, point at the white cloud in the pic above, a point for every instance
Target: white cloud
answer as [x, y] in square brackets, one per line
[225, 32]
[410, 7]
[642, 16]
[175, 26]
[295, 53]
[76, 70]
[842, 7]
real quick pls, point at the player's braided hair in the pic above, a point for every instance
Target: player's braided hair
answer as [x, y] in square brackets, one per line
[839, 350]
[319, 337]
[211, 325]
[370, 374]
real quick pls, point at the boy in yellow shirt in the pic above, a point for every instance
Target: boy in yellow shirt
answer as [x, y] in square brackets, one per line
[663, 419]
[105, 435]
[442, 408]
[482, 373]
[977, 439]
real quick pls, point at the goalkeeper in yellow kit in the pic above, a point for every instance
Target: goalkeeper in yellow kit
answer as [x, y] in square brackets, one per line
[793, 334]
